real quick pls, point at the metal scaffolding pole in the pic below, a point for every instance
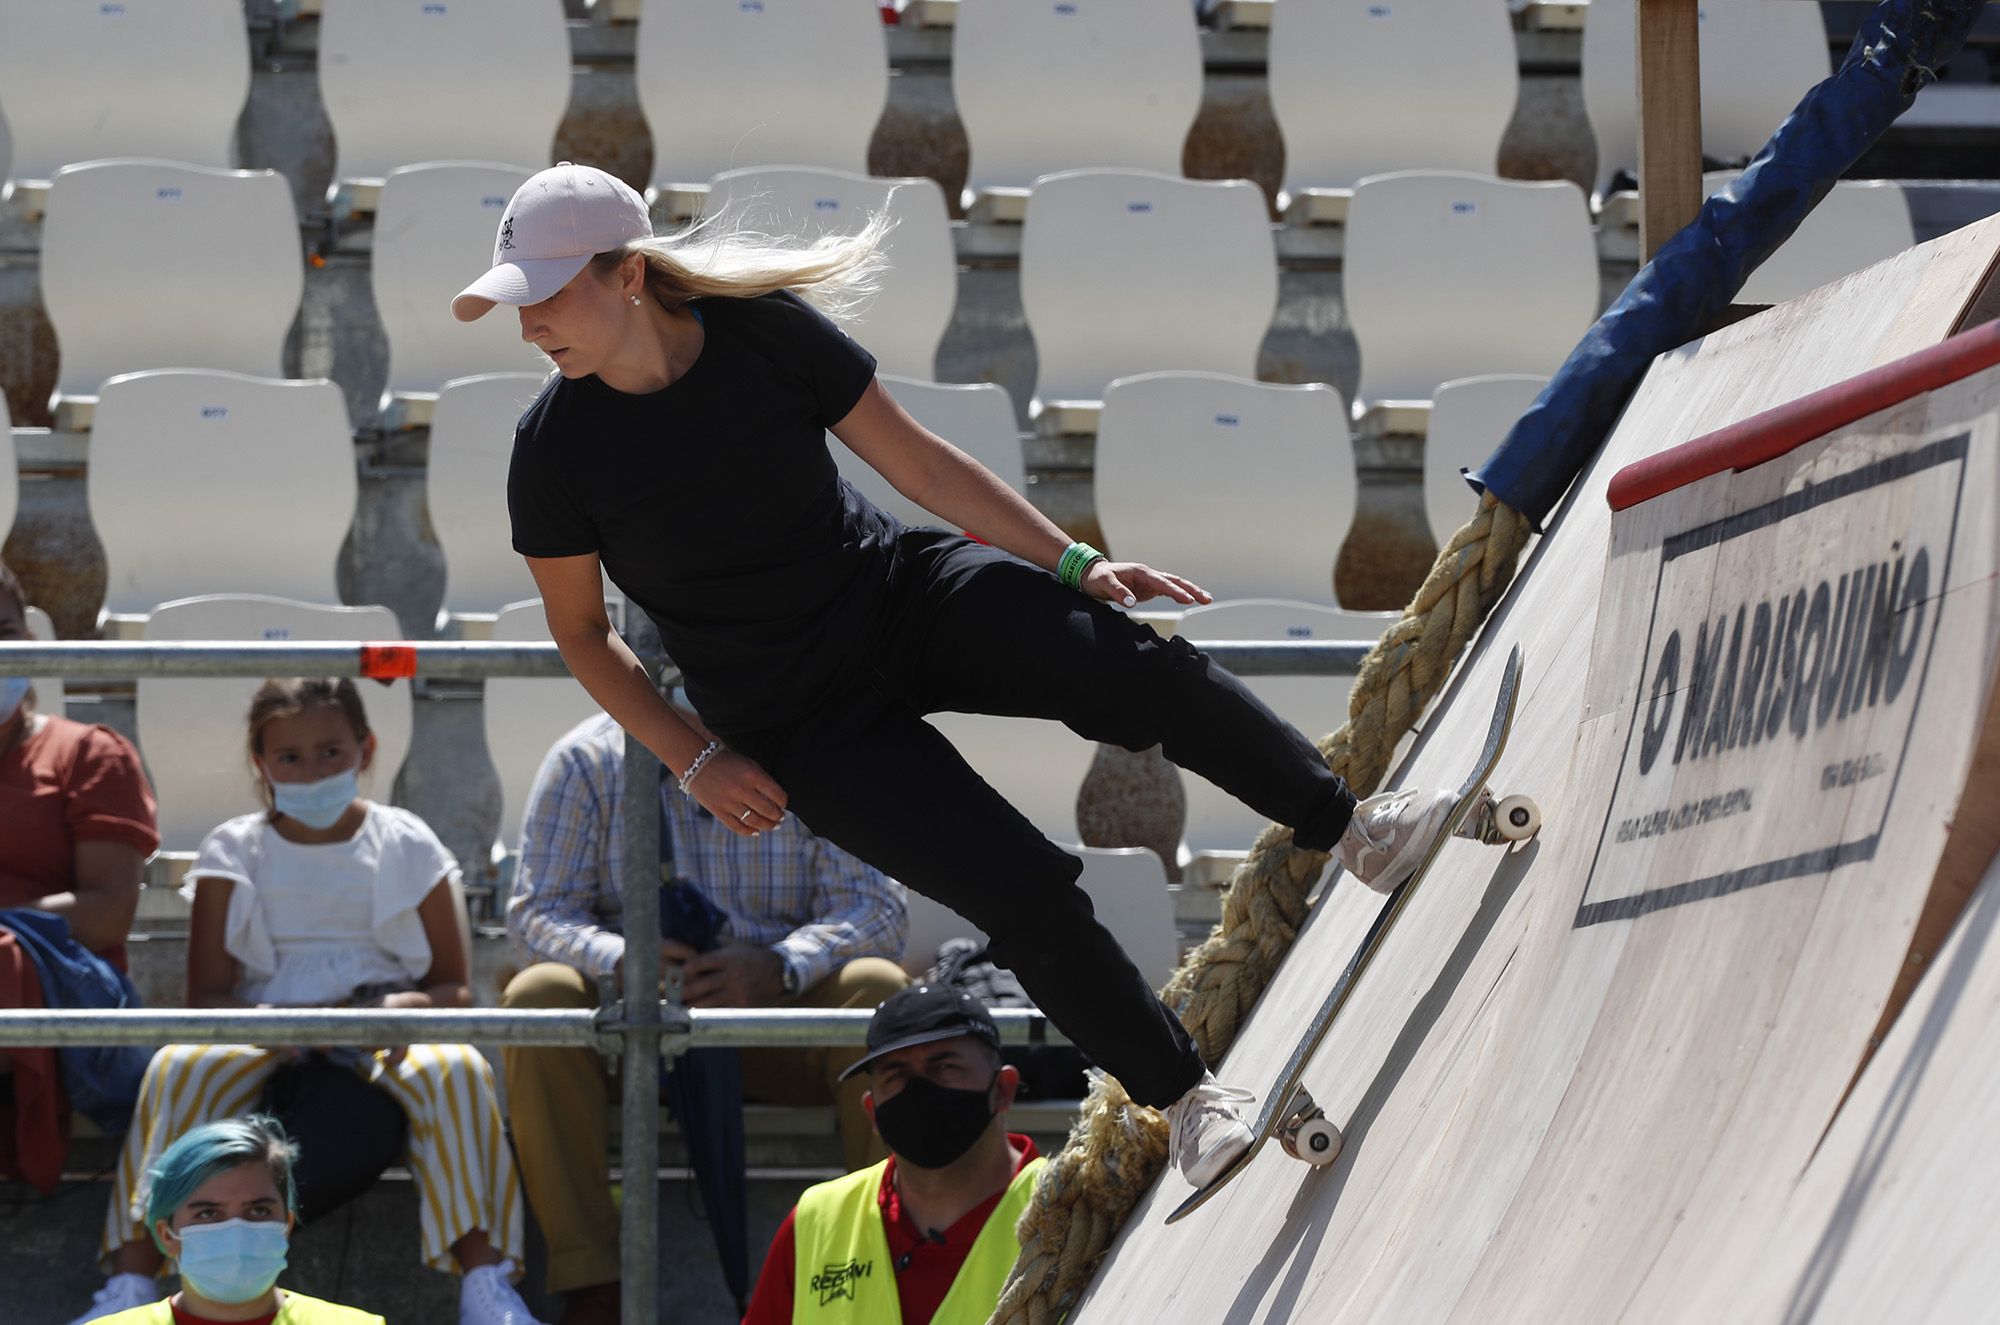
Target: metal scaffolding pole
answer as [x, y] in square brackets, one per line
[117, 660]
[681, 1028]
[639, 1140]
[466, 660]
[579, 1028]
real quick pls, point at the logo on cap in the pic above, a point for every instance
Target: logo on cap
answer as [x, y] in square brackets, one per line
[506, 233]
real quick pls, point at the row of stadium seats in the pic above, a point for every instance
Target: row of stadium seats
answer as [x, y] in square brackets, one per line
[184, 730]
[1253, 483]
[1447, 274]
[187, 729]
[1359, 87]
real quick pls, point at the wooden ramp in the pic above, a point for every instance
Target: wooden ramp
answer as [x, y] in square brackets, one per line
[1590, 1079]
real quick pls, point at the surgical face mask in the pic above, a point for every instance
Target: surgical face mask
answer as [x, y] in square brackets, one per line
[234, 1261]
[317, 804]
[931, 1125]
[13, 690]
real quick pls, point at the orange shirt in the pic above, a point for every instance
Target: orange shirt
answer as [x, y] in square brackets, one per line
[70, 782]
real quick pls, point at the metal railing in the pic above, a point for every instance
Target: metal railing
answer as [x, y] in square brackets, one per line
[641, 1028]
[468, 660]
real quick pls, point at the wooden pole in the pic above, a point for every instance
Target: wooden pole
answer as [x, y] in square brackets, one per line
[1669, 34]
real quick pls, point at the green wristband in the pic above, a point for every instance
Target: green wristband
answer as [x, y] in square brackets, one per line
[1076, 559]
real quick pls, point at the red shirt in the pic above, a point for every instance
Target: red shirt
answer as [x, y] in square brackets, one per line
[70, 782]
[924, 1269]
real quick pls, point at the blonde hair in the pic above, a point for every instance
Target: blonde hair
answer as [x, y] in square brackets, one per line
[717, 257]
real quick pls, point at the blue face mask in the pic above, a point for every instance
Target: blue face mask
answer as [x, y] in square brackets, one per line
[13, 689]
[234, 1261]
[317, 804]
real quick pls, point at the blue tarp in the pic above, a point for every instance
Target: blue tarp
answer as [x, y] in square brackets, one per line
[1683, 291]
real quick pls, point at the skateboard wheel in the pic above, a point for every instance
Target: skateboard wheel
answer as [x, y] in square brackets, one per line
[1517, 818]
[1317, 1142]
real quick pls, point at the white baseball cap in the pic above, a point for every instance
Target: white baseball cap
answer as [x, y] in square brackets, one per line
[553, 226]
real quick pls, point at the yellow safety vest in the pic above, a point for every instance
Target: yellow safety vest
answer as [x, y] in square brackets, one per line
[842, 1273]
[297, 1309]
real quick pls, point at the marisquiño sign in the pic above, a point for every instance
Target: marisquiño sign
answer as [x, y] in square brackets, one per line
[1786, 646]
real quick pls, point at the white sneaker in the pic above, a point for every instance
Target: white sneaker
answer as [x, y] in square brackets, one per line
[1390, 833]
[485, 1297]
[1208, 1129]
[122, 1292]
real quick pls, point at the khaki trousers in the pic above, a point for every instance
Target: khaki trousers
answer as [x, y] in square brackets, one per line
[557, 1101]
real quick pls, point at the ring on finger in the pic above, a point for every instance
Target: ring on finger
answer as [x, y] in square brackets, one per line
[745, 816]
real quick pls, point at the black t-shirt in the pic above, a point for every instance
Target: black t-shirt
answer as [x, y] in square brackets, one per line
[715, 506]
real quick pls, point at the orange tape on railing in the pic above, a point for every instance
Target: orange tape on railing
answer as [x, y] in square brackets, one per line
[388, 662]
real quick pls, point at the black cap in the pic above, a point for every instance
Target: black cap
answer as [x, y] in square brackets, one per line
[922, 1014]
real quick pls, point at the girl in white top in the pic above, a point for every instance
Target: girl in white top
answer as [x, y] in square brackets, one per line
[324, 899]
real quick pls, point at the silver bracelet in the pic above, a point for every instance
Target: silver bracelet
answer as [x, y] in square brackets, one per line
[707, 753]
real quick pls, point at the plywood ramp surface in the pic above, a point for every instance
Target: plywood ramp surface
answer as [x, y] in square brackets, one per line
[1580, 1071]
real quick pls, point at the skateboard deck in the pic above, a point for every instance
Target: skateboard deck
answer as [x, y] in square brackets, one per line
[1288, 1108]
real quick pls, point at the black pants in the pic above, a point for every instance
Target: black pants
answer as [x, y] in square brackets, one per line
[972, 630]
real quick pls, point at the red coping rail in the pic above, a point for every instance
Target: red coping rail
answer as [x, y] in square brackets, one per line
[1786, 427]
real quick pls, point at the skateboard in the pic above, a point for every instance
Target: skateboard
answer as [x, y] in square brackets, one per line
[1289, 1114]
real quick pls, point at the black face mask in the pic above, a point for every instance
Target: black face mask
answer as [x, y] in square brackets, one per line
[931, 1125]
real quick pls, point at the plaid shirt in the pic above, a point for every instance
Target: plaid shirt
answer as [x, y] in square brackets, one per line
[813, 904]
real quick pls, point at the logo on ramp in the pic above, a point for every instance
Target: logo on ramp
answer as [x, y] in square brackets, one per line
[1789, 615]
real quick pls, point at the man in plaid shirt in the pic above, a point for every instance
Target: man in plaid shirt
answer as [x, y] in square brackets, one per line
[808, 926]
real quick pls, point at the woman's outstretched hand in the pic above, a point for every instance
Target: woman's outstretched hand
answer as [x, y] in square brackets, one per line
[1129, 583]
[739, 793]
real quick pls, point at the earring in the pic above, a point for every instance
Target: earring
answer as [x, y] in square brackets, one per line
[635, 301]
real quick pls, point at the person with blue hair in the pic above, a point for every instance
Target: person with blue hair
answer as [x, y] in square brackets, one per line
[222, 1205]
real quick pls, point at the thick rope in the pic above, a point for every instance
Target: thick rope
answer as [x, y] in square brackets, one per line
[1117, 1147]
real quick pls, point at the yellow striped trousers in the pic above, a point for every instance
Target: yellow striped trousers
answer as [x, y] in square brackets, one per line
[458, 1151]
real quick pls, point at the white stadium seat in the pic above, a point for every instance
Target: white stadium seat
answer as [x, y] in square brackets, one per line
[1052, 85]
[1469, 417]
[1361, 87]
[434, 229]
[472, 441]
[976, 417]
[727, 84]
[902, 325]
[931, 923]
[1758, 57]
[1858, 224]
[1453, 275]
[205, 482]
[524, 716]
[192, 732]
[1128, 890]
[417, 80]
[1126, 271]
[1036, 764]
[79, 81]
[50, 695]
[149, 264]
[1246, 488]
[10, 472]
[1316, 705]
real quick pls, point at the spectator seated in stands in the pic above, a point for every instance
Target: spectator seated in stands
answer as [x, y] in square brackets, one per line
[803, 924]
[928, 1234]
[221, 1205]
[76, 825]
[324, 899]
